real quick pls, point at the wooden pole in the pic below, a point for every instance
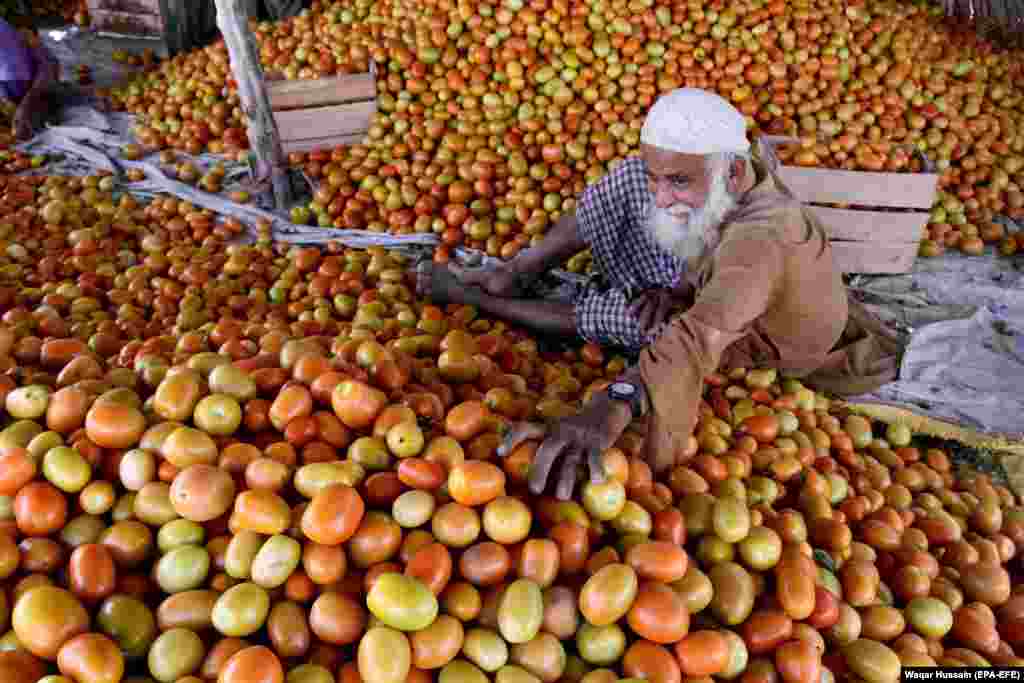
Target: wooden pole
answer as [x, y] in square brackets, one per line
[174, 13]
[264, 141]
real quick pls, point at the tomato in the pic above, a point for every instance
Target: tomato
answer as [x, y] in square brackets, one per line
[659, 614]
[47, 617]
[334, 515]
[702, 653]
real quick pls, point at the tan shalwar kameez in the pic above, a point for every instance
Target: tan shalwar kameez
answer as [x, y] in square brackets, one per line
[768, 296]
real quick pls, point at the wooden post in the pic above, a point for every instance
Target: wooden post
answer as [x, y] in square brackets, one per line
[175, 30]
[264, 141]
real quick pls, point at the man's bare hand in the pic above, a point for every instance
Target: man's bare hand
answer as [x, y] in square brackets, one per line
[497, 280]
[651, 308]
[654, 306]
[569, 443]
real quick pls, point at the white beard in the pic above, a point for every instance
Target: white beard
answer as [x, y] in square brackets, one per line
[689, 233]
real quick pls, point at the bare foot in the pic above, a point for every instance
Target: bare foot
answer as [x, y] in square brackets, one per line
[439, 284]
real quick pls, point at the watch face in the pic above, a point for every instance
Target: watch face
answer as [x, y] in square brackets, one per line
[623, 389]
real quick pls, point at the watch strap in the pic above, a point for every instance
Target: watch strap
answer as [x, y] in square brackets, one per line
[634, 399]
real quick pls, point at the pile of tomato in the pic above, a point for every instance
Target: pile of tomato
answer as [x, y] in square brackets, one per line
[259, 464]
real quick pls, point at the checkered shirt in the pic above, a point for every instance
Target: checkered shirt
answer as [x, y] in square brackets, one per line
[627, 261]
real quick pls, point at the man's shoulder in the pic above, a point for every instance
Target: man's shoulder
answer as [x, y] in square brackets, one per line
[767, 199]
[770, 214]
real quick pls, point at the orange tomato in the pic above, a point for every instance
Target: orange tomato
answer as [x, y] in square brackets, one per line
[764, 630]
[261, 511]
[798, 661]
[91, 657]
[419, 473]
[201, 493]
[112, 424]
[91, 572]
[658, 561]
[485, 564]
[432, 565]
[467, 420]
[257, 664]
[324, 564]
[40, 509]
[794, 589]
[702, 653]
[18, 665]
[475, 482]
[658, 614]
[67, 409]
[357, 404]
[538, 560]
[377, 539]
[17, 468]
[337, 618]
[334, 515]
[649, 661]
[292, 401]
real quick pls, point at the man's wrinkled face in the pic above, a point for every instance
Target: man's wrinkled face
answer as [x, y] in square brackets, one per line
[690, 197]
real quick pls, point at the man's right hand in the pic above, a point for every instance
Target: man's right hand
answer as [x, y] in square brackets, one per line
[501, 279]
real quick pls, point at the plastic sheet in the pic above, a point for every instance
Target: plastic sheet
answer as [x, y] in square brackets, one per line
[968, 371]
[87, 140]
[965, 361]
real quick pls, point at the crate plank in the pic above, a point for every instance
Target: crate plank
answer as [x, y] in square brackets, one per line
[127, 23]
[321, 92]
[860, 188]
[828, 186]
[133, 6]
[872, 226]
[874, 258]
[313, 144]
[322, 122]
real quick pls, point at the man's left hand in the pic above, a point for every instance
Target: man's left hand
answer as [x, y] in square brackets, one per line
[652, 308]
[569, 442]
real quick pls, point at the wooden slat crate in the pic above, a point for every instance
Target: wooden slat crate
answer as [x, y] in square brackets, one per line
[323, 113]
[128, 23]
[883, 239]
[131, 6]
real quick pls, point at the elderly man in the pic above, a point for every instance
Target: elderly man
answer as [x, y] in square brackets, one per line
[692, 218]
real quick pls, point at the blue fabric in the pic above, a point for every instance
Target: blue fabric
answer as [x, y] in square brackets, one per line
[14, 90]
[17, 65]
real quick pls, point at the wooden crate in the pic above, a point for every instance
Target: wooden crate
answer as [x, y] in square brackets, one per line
[131, 6]
[323, 113]
[128, 23]
[882, 239]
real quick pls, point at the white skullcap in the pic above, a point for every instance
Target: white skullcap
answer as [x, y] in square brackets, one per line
[693, 121]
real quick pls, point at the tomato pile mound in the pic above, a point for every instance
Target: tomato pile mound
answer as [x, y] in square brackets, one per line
[68, 10]
[264, 464]
[493, 117]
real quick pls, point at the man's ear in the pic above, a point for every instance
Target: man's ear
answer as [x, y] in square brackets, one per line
[737, 175]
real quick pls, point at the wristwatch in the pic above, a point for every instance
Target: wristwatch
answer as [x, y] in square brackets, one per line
[630, 393]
